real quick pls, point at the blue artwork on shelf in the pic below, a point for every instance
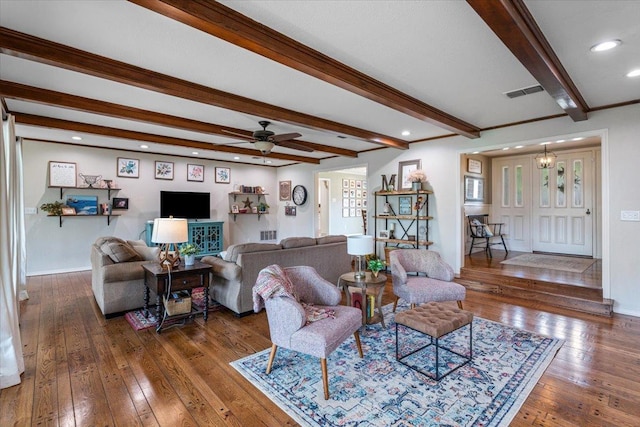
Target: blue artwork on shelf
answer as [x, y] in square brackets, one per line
[84, 205]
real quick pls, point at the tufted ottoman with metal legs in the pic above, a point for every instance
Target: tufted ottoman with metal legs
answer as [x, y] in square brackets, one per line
[435, 320]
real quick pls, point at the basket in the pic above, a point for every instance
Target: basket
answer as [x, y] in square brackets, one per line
[177, 303]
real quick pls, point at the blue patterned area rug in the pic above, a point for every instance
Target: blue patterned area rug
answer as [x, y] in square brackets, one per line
[379, 391]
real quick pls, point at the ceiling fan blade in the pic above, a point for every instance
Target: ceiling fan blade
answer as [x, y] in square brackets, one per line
[294, 145]
[284, 136]
[237, 133]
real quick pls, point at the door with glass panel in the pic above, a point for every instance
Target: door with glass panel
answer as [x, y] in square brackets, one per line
[511, 204]
[563, 207]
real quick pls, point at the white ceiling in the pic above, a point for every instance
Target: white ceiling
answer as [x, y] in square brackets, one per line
[440, 52]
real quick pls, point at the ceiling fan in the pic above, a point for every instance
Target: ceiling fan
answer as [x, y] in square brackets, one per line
[265, 140]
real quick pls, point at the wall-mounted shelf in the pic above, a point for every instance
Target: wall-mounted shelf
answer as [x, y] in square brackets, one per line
[259, 196]
[86, 216]
[108, 190]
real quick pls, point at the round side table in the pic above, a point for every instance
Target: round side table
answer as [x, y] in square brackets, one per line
[368, 285]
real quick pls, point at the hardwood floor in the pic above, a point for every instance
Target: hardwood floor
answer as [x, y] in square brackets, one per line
[84, 370]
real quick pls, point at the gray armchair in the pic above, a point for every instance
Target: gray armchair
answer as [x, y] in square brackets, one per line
[433, 280]
[288, 319]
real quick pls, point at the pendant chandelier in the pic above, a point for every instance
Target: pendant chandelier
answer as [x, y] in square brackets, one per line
[546, 159]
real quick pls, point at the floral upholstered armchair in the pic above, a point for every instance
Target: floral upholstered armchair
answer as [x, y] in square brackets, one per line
[433, 279]
[305, 314]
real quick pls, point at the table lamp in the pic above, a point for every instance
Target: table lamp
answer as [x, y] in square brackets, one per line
[359, 245]
[169, 232]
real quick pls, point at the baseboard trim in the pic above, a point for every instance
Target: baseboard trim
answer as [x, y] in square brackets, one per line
[65, 270]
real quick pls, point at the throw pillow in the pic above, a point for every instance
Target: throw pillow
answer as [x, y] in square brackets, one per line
[120, 251]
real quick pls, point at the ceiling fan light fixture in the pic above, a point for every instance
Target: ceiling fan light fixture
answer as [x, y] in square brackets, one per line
[546, 159]
[265, 147]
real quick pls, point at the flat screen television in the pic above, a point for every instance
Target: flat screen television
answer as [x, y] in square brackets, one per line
[185, 204]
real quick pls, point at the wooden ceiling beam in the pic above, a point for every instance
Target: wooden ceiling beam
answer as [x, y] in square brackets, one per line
[47, 122]
[512, 22]
[22, 92]
[227, 24]
[32, 48]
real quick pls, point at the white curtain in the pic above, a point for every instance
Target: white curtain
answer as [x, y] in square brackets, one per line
[13, 255]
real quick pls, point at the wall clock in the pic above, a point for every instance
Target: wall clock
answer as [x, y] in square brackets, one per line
[299, 195]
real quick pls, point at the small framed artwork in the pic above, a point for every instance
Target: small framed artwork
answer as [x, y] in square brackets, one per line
[345, 212]
[290, 210]
[254, 209]
[345, 183]
[404, 205]
[359, 194]
[120, 203]
[128, 168]
[223, 175]
[358, 183]
[404, 169]
[352, 203]
[83, 205]
[68, 211]
[62, 174]
[383, 234]
[474, 166]
[352, 183]
[195, 173]
[285, 190]
[164, 170]
[345, 192]
[352, 211]
[235, 209]
[345, 203]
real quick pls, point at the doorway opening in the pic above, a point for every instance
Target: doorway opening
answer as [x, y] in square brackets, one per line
[341, 206]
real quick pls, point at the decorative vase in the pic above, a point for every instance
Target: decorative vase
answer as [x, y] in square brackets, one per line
[415, 186]
[374, 273]
[189, 259]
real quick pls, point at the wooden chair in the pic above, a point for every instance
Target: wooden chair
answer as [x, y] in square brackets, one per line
[480, 228]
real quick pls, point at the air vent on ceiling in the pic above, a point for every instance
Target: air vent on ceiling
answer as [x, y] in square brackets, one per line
[524, 91]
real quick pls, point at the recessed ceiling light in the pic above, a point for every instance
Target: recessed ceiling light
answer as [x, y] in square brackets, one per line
[634, 73]
[236, 158]
[560, 140]
[195, 153]
[609, 44]
[577, 139]
[505, 148]
[519, 146]
[545, 143]
[475, 152]
[144, 146]
[76, 138]
[406, 133]
[269, 162]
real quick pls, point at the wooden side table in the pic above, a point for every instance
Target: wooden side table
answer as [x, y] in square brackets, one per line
[185, 277]
[368, 286]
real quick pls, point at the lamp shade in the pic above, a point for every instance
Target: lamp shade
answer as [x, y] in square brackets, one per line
[360, 245]
[170, 230]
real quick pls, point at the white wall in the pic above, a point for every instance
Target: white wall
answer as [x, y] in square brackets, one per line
[441, 161]
[51, 248]
[340, 224]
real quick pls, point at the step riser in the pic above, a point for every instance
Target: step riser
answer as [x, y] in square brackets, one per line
[521, 288]
[593, 294]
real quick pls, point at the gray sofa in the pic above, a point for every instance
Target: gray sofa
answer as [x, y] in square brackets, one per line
[234, 274]
[117, 278]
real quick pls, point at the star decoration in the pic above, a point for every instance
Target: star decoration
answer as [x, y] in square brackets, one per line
[247, 203]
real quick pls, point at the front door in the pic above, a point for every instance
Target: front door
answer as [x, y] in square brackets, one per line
[563, 207]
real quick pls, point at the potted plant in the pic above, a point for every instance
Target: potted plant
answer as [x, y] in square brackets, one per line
[262, 207]
[416, 178]
[189, 250]
[375, 265]
[54, 208]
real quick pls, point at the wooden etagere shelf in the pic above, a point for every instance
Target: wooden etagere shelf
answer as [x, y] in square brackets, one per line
[108, 190]
[409, 229]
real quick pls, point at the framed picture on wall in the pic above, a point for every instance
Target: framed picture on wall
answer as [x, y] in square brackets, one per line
[474, 166]
[223, 175]
[404, 169]
[285, 190]
[473, 189]
[62, 174]
[164, 170]
[128, 168]
[195, 173]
